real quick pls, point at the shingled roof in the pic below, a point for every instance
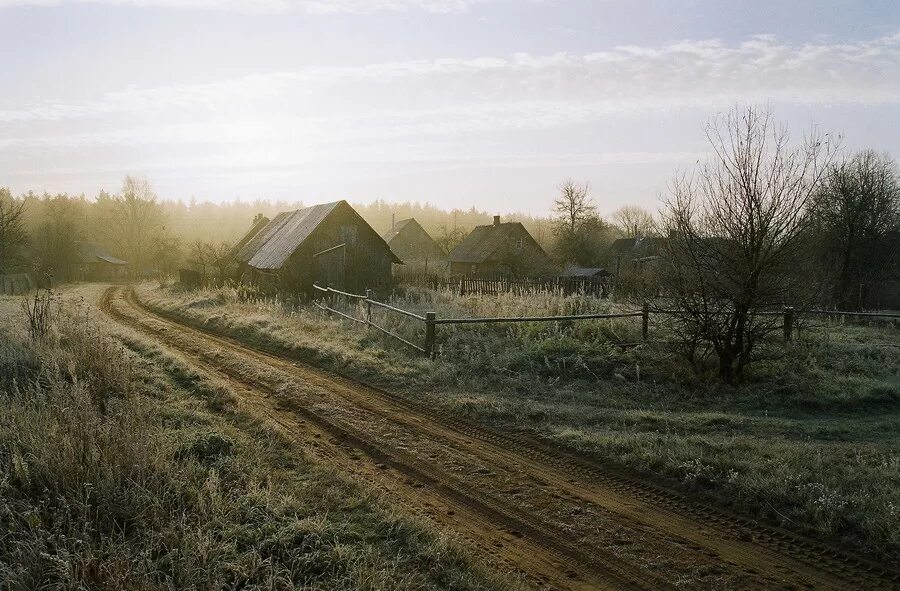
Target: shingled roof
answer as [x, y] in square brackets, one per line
[273, 245]
[484, 241]
[390, 234]
[88, 253]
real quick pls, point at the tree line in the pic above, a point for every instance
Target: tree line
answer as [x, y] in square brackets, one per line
[39, 233]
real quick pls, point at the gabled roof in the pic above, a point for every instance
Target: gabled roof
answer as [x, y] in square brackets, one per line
[484, 241]
[408, 239]
[88, 252]
[631, 246]
[272, 245]
[253, 231]
[392, 233]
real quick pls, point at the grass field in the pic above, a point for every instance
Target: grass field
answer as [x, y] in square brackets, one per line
[121, 468]
[811, 440]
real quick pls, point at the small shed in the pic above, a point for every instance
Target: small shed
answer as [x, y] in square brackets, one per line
[499, 249]
[410, 242]
[95, 263]
[328, 243]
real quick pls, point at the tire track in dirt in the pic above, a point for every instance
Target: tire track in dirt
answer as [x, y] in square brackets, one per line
[502, 532]
[549, 497]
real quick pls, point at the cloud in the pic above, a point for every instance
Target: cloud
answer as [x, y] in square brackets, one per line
[689, 73]
[275, 6]
[602, 108]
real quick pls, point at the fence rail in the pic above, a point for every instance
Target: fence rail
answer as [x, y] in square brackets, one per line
[431, 321]
[789, 318]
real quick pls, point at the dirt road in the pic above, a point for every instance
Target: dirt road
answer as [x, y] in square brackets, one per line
[561, 522]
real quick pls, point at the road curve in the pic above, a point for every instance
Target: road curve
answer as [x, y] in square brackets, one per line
[561, 522]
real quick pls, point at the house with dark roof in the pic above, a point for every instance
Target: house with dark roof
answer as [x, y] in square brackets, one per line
[635, 253]
[500, 249]
[94, 263]
[410, 242]
[329, 244]
[576, 272]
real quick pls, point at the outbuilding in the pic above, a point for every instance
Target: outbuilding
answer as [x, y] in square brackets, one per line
[95, 263]
[329, 244]
[410, 242]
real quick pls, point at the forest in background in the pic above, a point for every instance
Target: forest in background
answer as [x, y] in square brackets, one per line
[758, 212]
[151, 233]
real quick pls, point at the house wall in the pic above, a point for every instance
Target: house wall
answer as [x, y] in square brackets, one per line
[99, 271]
[412, 243]
[364, 261]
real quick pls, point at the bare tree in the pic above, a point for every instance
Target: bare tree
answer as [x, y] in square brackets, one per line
[859, 207]
[739, 236]
[573, 206]
[137, 222]
[633, 221]
[578, 228]
[12, 231]
[221, 260]
[448, 238]
[201, 255]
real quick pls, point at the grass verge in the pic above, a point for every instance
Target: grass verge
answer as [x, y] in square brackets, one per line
[811, 440]
[121, 468]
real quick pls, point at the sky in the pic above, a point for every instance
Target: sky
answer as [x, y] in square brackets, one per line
[459, 103]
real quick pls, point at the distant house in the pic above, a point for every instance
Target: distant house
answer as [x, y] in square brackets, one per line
[634, 253]
[328, 243]
[94, 263]
[410, 242]
[499, 249]
[575, 272]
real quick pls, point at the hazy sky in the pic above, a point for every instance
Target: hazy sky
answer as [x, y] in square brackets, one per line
[457, 102]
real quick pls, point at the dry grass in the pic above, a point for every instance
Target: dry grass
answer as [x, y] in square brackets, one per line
[811, 440]
[120, 468]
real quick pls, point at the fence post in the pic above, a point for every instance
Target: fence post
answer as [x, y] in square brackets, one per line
[645, 320]
[368, 306]
[788, 323]
[429, 334]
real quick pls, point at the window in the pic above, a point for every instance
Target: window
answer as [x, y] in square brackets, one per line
[519, 244]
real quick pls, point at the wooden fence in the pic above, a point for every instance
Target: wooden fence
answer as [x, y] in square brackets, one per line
[16, 283]
[431, 322]
[592, 286]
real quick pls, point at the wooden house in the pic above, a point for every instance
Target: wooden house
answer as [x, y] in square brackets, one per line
[627, 254]
[410, 242]
[500, 249]
[94, 263]
[330, 244]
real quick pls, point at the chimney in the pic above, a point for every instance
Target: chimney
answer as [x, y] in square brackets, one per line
[393, 221]
[496, 220]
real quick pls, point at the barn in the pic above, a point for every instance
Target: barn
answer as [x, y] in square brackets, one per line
[500, 249]
[329, 243]
[409, 241]
[94, 263]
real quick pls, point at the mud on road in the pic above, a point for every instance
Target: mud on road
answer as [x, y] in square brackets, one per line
[559, 521]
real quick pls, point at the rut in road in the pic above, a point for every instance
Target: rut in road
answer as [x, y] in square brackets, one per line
[564, 525]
